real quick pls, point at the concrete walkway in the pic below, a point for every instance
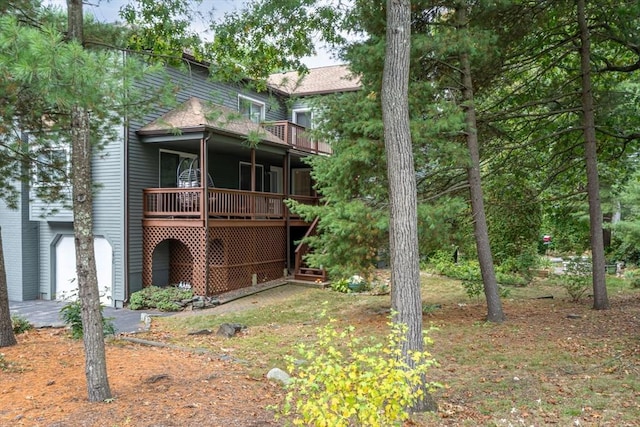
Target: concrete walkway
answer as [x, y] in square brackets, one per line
[46, 314]
[42, 313]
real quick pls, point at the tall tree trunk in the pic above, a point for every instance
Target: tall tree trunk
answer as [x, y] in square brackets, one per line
[405, 267]
[600, 298]
[7, 337]
[481, 231]
[88, 291]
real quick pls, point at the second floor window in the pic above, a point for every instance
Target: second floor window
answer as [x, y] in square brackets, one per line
[251, 108]
[303, 117]
[52, 166]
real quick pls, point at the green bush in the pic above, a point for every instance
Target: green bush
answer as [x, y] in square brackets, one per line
[576, 278]
[341, 285]
[346, 381]
[633, 277]
[162, 298]
[71, 316]
[20, 324]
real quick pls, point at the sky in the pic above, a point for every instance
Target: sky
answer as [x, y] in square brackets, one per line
[107, 11]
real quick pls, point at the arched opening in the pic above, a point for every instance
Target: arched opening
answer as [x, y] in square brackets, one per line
[172, 263]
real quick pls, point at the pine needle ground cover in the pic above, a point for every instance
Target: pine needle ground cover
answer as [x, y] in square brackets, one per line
[553, 362]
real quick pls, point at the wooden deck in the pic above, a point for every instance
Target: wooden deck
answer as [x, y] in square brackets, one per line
[184, 205]
[297, 137]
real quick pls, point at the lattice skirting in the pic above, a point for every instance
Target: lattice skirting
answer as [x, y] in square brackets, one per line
[219, 259]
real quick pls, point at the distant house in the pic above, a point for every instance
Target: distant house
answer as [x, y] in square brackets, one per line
[158, 219]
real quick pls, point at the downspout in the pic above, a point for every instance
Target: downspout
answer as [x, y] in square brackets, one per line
[127, 221]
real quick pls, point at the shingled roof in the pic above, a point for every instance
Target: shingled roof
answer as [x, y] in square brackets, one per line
[322, 80]
[195, 113]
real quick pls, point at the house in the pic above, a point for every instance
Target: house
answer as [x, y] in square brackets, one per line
[159, 220]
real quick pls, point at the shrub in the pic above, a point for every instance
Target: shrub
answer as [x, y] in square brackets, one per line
[341, 285]
[20, 324]
[633, 277]
[167, 298]
[576, 278]
[346, 380]
[71, 316]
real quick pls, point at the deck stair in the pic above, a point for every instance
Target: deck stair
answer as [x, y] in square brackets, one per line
[302, 271]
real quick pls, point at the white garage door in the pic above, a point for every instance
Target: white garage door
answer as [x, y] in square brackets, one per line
[66, 281]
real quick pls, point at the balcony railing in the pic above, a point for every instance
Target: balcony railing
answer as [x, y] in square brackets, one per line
[221, 203]
[297, 137]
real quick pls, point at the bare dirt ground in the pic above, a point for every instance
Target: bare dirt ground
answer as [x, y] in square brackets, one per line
[42, 382]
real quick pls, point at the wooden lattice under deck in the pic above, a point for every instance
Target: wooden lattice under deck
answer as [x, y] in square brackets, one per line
[233, 254]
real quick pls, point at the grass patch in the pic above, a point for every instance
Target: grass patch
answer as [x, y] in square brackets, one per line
[540, 367]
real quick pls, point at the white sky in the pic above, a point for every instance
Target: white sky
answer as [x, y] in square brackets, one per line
[107, 11]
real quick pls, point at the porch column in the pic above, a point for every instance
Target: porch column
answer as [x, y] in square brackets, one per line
[252, 210]
[204, 184]
[285, 179]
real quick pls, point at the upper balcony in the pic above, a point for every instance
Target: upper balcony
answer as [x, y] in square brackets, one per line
[297, 137]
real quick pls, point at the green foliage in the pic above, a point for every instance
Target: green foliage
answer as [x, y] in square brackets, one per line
[472, 288]
[576, 278]
[163, 298]
[72, 317]
[163, 27]
[340, 285]
[346, 380]
[632, 276]
[349, 236]
[20, 324]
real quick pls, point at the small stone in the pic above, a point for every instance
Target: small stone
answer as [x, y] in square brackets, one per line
[278, 374]
[229, 330]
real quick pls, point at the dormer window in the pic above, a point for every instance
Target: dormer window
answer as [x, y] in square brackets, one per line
[251, 108]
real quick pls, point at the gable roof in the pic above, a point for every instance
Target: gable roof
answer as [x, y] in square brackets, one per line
[196, 114]
[318, 81]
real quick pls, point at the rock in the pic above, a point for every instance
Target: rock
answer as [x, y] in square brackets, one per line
[229, 330]
[278, 374]
[574, 316]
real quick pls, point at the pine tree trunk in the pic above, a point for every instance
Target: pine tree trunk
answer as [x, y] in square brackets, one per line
[88, 291]
[405, 267]
[481, 231]
[7, 337]
[600, 298]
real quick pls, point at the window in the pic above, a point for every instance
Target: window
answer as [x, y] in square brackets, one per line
[52, 166]
[245, 177]
[303, 117]
[251, 108]
[301, 182]
[169, 162]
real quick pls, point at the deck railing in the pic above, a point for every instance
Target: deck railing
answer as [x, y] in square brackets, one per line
[297, 137]
[222, 203]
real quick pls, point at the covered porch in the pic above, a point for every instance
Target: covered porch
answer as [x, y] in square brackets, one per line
[227, 228]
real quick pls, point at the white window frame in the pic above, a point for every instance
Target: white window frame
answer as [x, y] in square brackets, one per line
[294, 115]
[254, 102]
[42, 163]
[258, 166]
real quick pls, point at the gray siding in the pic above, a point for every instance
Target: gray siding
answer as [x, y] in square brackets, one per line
[19, 242]
[109, 208]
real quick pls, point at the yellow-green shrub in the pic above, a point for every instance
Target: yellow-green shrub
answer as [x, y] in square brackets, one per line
[345, 380]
